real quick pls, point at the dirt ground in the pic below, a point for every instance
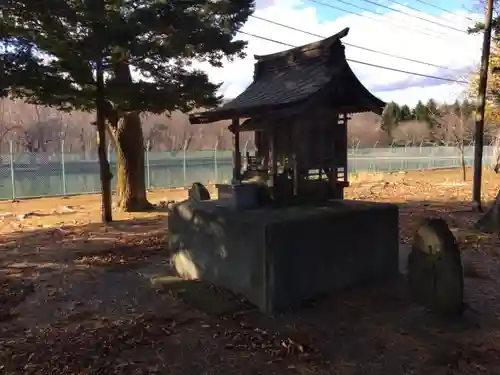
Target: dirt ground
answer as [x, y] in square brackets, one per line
[76, 298]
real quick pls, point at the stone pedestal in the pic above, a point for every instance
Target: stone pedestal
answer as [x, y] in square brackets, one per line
[240, 196]
[279, 257]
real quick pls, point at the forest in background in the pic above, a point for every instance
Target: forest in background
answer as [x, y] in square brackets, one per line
[40, 129]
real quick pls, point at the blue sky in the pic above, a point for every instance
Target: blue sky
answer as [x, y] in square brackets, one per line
[326, 14]
[455, 54]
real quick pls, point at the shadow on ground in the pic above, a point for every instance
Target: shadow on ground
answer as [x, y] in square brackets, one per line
[81, 299]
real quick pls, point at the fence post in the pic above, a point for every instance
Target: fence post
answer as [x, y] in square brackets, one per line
[184, 171]
[12, 178]
[169, 179]
[148, 170]
[355, 154]
[63, 168]
[216, 172]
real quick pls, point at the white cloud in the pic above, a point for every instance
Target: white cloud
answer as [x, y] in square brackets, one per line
[392, 33]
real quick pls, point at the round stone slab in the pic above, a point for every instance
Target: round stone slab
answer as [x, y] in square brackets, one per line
[435, 272]
[198, 192]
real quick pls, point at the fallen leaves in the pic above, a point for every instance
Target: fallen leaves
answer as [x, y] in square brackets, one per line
[12, 293]
[135, 332]
[277, 347]
[93, 346]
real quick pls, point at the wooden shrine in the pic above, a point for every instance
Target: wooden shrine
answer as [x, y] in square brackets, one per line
[314, 241]
[297, 106]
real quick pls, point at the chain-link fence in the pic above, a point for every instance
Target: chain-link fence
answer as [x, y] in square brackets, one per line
[61, 172]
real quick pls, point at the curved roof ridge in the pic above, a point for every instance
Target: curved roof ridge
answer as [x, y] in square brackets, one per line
[304, 48]
[373, 102]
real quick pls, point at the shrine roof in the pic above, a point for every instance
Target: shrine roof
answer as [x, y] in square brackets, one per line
[294, 76]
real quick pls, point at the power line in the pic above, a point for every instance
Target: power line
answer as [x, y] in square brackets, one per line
[399, 23]
[421, 11]
[408, 72]
[362, 62]
[442, 9]
[346, 11]
[355, 46]
[414, 16]
[418, 28]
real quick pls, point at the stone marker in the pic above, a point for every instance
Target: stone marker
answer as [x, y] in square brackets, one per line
[490, 222]
[435, 272]
[198, 192]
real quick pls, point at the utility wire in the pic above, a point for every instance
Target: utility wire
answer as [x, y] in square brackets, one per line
[346, 11]
[362, 62]
[442, 9]
[355, 46]
[421, 11]
[415, 16]
[399, 23]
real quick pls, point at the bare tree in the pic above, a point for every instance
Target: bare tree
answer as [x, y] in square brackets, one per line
[159, 136]
[38, 129]
[496, 152]
[8, 127]
[457, 129]
[411, 132]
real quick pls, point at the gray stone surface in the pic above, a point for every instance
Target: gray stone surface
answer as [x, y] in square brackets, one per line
[279, 257]
[404, 252]
[435, 271]
[198, 192]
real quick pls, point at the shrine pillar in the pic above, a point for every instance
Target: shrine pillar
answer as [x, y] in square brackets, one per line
[236, 152]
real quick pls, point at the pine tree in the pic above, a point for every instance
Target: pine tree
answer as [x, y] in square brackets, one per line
[390, 118]
[421, 112]
[51, 50]
[467, 108]
[432, 107]
[456, 108]
[405, 113]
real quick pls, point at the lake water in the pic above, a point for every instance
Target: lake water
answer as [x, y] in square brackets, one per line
[48, 177]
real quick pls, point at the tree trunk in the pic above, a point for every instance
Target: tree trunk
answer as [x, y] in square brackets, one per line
[129, 143]
[105, 173]
[464, 165]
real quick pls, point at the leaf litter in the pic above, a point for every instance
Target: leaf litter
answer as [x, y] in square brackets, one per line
[73, 301]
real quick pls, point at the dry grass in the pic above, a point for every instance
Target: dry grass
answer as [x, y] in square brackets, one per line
[75, 210]
[75, 299]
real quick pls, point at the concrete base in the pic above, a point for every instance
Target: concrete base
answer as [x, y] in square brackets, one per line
[278, 257]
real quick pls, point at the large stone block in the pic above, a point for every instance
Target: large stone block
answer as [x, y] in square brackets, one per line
[279, 257]
[435, 270]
